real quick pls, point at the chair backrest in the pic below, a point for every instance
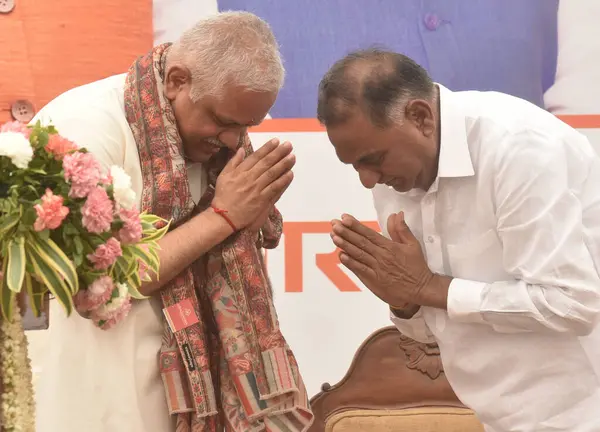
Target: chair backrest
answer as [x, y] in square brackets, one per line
[394, 384]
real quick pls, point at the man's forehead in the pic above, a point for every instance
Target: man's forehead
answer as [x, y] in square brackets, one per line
[348, 147]
[237, 119]
[243, 107]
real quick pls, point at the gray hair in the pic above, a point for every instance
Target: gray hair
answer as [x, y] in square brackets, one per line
[377, 82]
[229, 47]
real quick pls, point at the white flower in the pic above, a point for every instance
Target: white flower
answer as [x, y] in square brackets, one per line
[116, 303]
[125, 197]
[16, 146]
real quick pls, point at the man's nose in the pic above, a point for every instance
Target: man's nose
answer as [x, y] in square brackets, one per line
[368, 178]
[231, 137]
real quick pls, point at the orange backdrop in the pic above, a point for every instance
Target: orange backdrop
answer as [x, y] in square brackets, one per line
[49, 46]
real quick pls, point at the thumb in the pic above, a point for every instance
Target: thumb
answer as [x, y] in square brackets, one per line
[401, 230]
[391, 228]
[235, 161]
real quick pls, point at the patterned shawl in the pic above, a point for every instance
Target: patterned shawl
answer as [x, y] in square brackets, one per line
[233, 369]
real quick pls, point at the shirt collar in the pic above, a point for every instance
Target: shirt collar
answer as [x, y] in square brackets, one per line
[455, 157]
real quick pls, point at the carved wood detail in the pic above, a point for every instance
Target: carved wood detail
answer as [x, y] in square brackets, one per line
[389, 371]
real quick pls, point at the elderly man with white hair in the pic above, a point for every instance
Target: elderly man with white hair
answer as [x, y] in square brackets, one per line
[176, 123]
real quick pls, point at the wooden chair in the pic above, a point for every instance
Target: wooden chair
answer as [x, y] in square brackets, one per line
[394, 384]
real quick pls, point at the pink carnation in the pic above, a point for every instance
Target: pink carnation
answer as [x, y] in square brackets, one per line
[16, 126]
[105, 255]
[96, 295]
[97, 211]
[51, 212]
[109, 314]
[107, 321]
[83, 171]
[106, 179]
[59, 146]
[132, 230]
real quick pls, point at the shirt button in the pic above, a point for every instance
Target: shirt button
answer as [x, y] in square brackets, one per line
[432, 22]
[22, 110]
[6, 6]
[430, 239]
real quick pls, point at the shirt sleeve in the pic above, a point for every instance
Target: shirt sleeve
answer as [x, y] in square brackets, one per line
[537, 189]
[415, 327]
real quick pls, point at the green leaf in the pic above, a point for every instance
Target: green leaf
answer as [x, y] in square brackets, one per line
[57, 259]
[133, 280]
[8, 223]
[156, 235]
[16, 264]
[122, 267]
[7, 298]
[132, 264]
[31, 180]
[53, 281]
[71, 230]
[37, 171]
[147, 227]
[29, 217]
[151, 260]
[35, 294]
[135, 293]
[150, 218]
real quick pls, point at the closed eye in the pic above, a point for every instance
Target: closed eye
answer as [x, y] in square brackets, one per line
[372, 159]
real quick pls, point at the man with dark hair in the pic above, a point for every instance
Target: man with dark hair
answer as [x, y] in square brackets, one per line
[374, 80]
[500, 263]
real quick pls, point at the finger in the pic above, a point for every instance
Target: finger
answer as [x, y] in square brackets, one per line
[354, 237]
[235, 161]
[270, 160]
[278, 187]
[354, 252]
[280, 194]
[374, 237]
[402, 231]
[276, 171]
[259, 154]
[363, 272]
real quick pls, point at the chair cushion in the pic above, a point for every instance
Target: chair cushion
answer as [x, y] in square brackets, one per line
[428, 419]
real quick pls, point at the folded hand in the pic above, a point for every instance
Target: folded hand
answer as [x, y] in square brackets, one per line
[394, 270]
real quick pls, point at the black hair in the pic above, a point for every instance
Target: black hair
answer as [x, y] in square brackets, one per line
[373, 81]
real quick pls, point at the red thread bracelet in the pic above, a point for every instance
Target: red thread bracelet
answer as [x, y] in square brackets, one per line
[223, 214]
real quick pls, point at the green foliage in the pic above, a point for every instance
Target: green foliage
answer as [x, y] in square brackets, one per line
[56, 260]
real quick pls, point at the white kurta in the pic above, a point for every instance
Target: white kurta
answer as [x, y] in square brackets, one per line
[514, 217]
[94, 380]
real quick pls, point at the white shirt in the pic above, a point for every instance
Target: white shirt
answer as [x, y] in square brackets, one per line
[102, 380]
[514, 217]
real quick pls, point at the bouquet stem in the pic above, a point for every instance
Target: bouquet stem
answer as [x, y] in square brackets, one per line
[17, 410]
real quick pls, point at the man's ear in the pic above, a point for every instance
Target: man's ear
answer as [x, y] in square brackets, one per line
[177, 78]
[421, 114]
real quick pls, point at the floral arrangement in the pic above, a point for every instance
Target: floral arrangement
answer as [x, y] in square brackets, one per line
[70, 229]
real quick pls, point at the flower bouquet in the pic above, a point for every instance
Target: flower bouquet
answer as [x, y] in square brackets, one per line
[66, 229]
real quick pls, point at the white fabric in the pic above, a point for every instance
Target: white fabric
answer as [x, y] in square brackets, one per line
[514, 216]
[95, 380]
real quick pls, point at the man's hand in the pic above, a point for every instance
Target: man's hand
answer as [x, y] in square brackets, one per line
[394, 270]
[262, 218]
[248, 188]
